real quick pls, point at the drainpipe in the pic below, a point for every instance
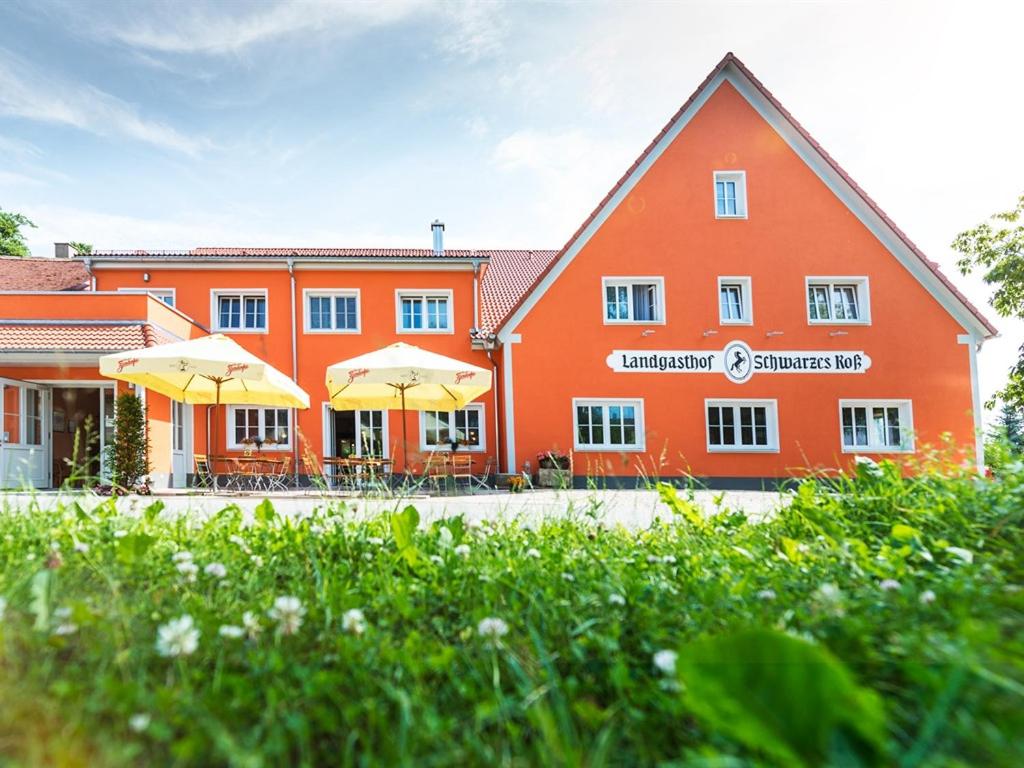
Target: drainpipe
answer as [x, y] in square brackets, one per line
[476, 293]
[92, 275]
[295, 377]
[497, 421]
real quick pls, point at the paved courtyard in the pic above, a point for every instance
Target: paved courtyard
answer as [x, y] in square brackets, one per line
[633, 508]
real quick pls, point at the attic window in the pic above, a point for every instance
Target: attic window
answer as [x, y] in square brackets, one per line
[730, 194]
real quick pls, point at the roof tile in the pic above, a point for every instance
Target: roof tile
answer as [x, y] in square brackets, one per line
[71, 337]
[41, 274]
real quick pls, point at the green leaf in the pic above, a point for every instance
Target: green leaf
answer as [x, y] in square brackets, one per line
[403, 526]
[683, 507]
[39, 605]
[152, 512]
[133, 547]
[265, 512]
[902, 532]
[783, 697]
[791, 548]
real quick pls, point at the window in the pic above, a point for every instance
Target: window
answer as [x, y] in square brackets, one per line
[734, 301]
[735, 425]
[730, 194]
[249, 426]
[166, 295]
[332, 311]
[608, 425]
[876, 426]
[177, 426]
[437, 428]
[634, 300]
[240, 311]
[837, 300]
[424, 312]
[33, 416]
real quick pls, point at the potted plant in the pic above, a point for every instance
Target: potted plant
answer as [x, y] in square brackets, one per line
[554, 469]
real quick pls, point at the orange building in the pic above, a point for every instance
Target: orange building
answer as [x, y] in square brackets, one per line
[736, 309]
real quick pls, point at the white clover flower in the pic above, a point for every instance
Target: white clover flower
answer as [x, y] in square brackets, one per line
[30, 557]
[568, 577]
[257, 561]
[64, 624]
[81, 547]
[766, 594]
[534, 553]
[927, 597]
[669, 559]
[888, 585]
[830, 598]
[377, 541]
[965, 556]
[230, 631]
[120, 533]
[353, 621]
[665, 662]
[188, 569]
[653, 558]
[178, 637]
[444, 537]
[462, 550]
[492, 628]
[437, 560]
[251, 623]
[234, 538]
[181, 557]
[287, 612]
[616, 599]
[139, 722]
[217, 570]
[3, 607]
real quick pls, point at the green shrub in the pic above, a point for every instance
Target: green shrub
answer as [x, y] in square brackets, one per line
[877, 621]
[129, 452]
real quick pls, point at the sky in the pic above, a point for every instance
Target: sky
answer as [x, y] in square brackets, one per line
[180, 124]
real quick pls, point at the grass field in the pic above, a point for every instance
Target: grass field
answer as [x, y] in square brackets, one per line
[877, 622]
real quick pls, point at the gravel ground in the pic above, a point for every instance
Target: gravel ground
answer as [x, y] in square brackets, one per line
[636, 509]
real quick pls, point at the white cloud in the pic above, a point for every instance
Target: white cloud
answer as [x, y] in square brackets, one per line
[209, 30]
[29, 93]
[478, 29]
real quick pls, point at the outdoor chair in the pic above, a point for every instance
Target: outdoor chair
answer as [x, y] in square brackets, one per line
[203, 477]
[435, 470]
[316, 474]
[279, 479]
[462, 469]
[484, 479]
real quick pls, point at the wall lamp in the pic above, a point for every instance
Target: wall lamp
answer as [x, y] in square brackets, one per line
[647, 332]
[710, 332]
[774, 333]
[838, 333]
[145, 277]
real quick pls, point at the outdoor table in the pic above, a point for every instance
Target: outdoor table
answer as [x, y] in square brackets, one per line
[353, 470]
[244, 473]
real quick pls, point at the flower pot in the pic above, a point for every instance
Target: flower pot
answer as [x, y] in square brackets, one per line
[554, 478]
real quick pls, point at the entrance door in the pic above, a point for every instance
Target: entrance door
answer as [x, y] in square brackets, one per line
[357, 433]
[181, 437]
[24, 434]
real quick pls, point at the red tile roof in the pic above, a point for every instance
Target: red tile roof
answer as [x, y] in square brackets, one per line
[33, 274]
[80, 337]
[202, 254]
[730, 58]
[508, 276]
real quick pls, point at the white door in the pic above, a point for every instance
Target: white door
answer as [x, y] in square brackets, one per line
[181, 438]
[24, 434]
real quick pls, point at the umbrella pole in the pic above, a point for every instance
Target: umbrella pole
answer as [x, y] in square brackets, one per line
[405, 440]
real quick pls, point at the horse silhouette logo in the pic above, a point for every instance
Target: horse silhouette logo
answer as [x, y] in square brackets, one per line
[738, 359]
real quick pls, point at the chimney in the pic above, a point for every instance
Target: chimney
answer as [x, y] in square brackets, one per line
[63, 250]
[437, 228]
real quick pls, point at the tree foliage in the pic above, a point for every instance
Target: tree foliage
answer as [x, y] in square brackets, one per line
[81, 248]
[997, 248]
[129, 453]
[12, 240]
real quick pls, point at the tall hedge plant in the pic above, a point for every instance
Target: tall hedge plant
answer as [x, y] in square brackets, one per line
[129, 453]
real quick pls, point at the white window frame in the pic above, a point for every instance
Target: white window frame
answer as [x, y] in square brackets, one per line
[739, 178]
[860, 283]
[629, 281]
[906, 408]
[332, 293]
[640, 446]
[771, 422]
[241, 293]
[424, 293]
[746, 299]
[479, 407]
[158, 293]
[229, 426]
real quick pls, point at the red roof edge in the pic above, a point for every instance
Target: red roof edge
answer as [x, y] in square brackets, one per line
[730, 58]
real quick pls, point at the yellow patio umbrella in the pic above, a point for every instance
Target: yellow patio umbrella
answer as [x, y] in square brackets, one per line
[402, 376]
[210, 370]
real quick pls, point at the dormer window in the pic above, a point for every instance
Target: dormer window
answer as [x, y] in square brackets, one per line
[730, 195]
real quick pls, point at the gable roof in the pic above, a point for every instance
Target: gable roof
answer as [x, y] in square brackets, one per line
[208, 253]
[732, 69]
[42, 274]
[508, 276]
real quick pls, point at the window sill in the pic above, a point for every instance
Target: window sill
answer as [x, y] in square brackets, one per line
[865, 451]
[431, 331]
[331, 331]
[633, 322]
[734, 217]
[264, 449]
[448, 449]
[740, 449]
[735, 322]
[838, 322]
[609, 449]
[248, 331]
